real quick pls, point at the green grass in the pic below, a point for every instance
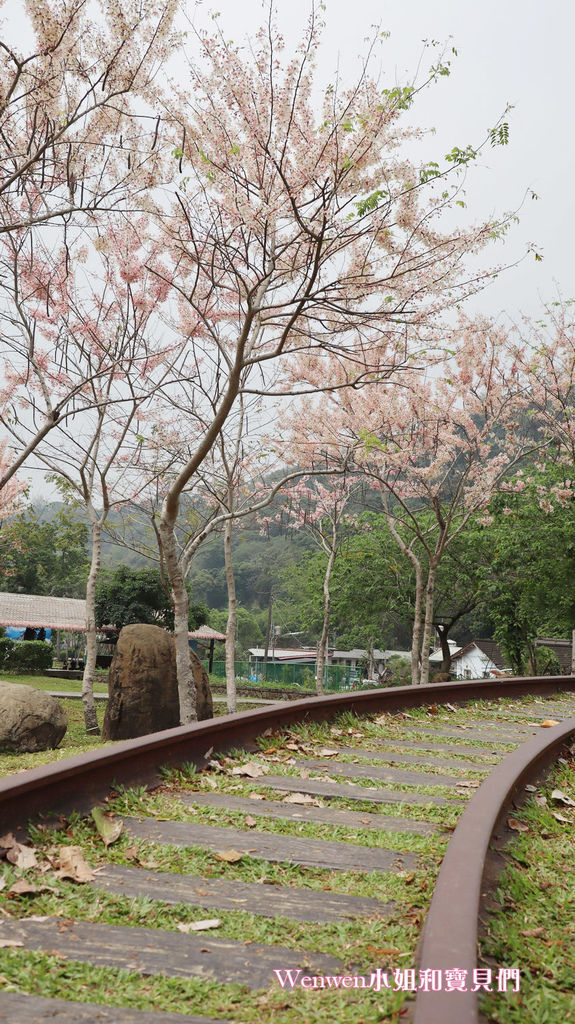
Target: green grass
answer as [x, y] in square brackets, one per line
[534, 930]
[75, 741]
[40, 682]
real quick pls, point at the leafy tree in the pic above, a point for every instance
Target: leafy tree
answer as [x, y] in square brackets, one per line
[40, 555]
[529, 564]
[250, 628]
[128, 595]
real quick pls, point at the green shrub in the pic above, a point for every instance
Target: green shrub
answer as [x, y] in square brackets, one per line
[6, 647]
[26, 655]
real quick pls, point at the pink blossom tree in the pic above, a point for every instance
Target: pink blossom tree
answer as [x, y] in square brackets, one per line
[79, 133]
[11, 493]
[296, 234]
[436, 449]
[94, 452]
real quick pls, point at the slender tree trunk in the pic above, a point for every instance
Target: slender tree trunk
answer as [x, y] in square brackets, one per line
[371, 659]
[89, 705]
[268, 638]
[186, 685]
[416, 636]
[531, 656]
[322, 647]
[418, 608]
[231, 623]
[443, 635]
[428, 622]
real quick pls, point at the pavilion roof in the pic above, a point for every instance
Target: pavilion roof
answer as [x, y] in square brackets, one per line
[39, 611]
[206, 633]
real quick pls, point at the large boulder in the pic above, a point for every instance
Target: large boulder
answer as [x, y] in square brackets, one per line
[143, 685]
[29, 719]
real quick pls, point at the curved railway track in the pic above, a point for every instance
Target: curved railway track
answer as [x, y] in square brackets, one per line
[345, 814]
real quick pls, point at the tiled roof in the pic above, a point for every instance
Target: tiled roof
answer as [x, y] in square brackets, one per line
[43, 611]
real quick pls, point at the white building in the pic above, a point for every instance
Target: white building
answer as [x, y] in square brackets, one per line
[481, 659]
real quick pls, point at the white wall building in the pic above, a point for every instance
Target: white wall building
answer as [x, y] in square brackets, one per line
[481, 659]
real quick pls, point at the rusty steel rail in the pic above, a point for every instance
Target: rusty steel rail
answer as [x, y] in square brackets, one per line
[451, 927]
[450, 934]
[78, 782]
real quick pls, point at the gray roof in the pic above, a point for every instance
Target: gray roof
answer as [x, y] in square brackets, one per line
[45, 611]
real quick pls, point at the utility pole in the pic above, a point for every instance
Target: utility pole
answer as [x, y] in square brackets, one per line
[268, 635]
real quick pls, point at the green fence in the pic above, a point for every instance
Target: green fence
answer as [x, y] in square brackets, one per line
[336, 677]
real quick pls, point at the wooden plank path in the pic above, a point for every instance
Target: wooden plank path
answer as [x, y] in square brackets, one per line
[311, 853]
[423, 758]
[222, 894]
[18, 1008]
[359, 771]
[321, 815]
[210, 956]
[156, 951]
[452, 748]
[348, 791]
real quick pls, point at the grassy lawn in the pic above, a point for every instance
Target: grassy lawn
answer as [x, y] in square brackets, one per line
[535, 928]
[54, 683]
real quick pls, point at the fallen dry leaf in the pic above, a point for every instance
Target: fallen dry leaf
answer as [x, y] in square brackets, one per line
[7, 840]
[301, 798]
[109, 828]
[256, 796]
[24, 888]
[548, 723]
[9, 943]
[541, 801]
[561, 817]
[23, 857]
[433, 709]
[250, 769]
[562, 798]
[132, 853]
[250, 822]
[530, 789]
[518, 826]
[73, 865]
[211, 782]
[230, 856]
[533, 933]
[327, 752]
[200, 926]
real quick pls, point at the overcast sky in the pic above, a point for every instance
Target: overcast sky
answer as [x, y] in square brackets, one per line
[509, 51]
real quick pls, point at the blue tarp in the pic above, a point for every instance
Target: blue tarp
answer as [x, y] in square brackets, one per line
[17, 632]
